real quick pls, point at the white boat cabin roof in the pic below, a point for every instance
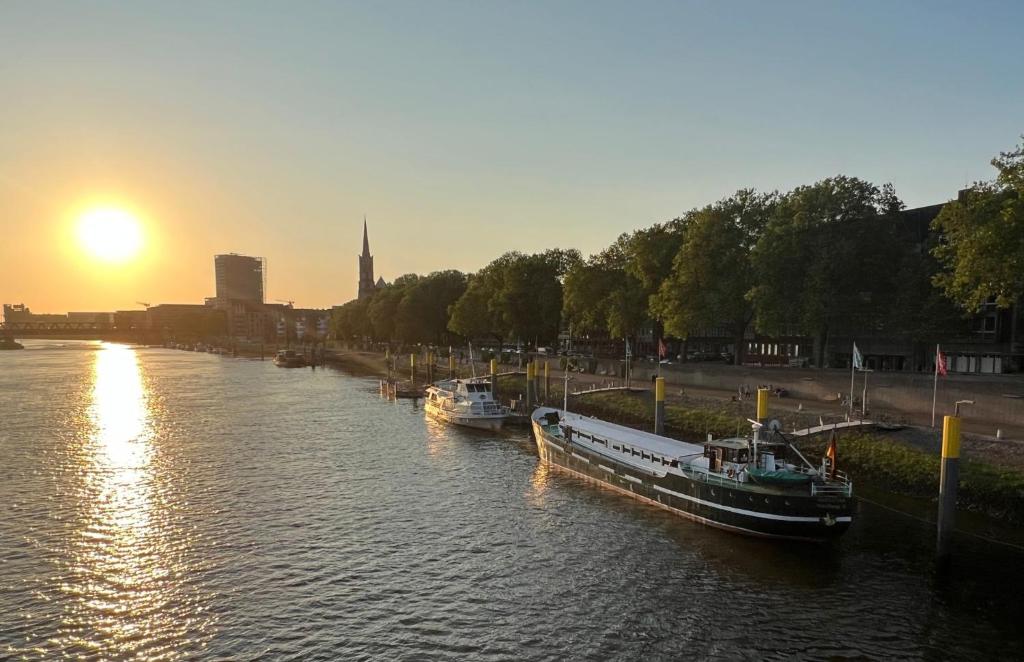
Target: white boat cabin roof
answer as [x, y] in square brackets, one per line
[463, 386]
[635, 438]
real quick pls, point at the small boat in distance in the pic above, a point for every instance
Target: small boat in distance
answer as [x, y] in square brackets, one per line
[467, 402]
[289, 358]
[755, 486]
[8, 342]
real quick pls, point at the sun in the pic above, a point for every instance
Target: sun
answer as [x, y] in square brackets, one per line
[110, 234]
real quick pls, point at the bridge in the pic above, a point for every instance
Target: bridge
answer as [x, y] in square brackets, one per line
[829, 427]
[65, 330]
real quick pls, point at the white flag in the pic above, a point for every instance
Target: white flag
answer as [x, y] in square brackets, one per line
[858, 360]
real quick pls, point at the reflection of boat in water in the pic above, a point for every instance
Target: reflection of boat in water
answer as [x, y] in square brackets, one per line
[7, 342]
[467, 402]
[746, 485]
[289, 358]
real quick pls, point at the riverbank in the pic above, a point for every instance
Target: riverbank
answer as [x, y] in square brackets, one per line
[902, 462]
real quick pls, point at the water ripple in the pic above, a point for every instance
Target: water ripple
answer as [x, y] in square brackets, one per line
[164, 505]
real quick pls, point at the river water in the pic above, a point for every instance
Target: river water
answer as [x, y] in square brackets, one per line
[165, 505]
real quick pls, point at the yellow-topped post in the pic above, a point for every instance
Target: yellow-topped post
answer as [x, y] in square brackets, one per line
[529, 386]
[494, 378]
[451, 365]
[762, 405]
[659, 405]
[948, 482]
[547, 382]
[412, 368]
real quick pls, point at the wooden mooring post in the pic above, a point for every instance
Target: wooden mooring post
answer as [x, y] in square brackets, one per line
[529, 387]
[949, 479]
[659, 405]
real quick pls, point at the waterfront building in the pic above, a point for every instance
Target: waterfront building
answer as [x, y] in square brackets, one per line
[19, 313]
[187, 320]
[240, 277]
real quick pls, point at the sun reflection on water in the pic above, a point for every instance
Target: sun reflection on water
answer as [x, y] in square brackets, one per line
[121, 565]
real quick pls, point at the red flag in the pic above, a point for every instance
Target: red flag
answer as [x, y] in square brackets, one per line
[662, 350]
[831, 455]
[940, 363]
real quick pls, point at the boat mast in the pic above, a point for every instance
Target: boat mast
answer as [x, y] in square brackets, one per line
[472, 365]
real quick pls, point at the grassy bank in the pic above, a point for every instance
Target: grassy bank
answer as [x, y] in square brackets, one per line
[873, 459]
[897, 467]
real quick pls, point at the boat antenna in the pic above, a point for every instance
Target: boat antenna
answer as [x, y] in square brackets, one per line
[472, 365]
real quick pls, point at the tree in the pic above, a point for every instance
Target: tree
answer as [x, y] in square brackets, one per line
[351, 321]
[602, 295]
[516, 296]
[383, 308]
[422, 313]
[826, 261]
[713, 273]
[981, 249]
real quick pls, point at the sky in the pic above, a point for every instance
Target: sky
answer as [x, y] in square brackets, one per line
[460, 129]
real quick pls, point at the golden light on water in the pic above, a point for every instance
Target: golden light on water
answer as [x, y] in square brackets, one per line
[120, 569]
[110, 234]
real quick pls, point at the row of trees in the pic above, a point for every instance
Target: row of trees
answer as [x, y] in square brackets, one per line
[834, 257]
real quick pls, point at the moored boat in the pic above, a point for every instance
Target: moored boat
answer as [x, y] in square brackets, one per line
[289, 358]
[7, 342]
[755, 486]
[467, 402]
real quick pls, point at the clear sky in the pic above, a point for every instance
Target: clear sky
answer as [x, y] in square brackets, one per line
[461, 129]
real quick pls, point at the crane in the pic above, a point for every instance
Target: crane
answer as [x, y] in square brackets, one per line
[143, 304]
[291, 304]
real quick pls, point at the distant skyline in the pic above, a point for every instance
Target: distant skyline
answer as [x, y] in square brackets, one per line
[461, 129]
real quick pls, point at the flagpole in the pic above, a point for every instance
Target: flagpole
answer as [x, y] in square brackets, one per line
[853, 365]
[935, 385]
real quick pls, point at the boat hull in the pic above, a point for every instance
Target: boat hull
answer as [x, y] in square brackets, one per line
[492, 423]
[726, 506]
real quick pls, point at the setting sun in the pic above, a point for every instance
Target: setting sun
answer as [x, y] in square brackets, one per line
[110, 234]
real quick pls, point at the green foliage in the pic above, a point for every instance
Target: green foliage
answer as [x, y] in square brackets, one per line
[515, 297]
[412, 309]
[909, 470]
[827, 259]
[982, 247]
[422, 313]
[603, 296]
[713, 272]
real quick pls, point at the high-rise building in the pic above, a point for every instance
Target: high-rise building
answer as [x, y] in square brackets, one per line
[240, 277]
[366, 283]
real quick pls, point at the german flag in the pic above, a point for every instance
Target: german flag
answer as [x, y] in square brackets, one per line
[831, 455]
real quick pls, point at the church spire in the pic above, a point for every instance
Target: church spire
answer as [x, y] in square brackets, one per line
[366, 282]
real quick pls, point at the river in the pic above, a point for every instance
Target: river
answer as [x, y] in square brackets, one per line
[161, 504]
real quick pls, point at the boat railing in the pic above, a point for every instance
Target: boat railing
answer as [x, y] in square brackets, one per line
[715, 478]
[837, 485]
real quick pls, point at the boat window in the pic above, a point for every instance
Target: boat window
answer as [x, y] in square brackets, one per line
[634, 451]
[674, 463]
[645, 456]
[616, 448]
